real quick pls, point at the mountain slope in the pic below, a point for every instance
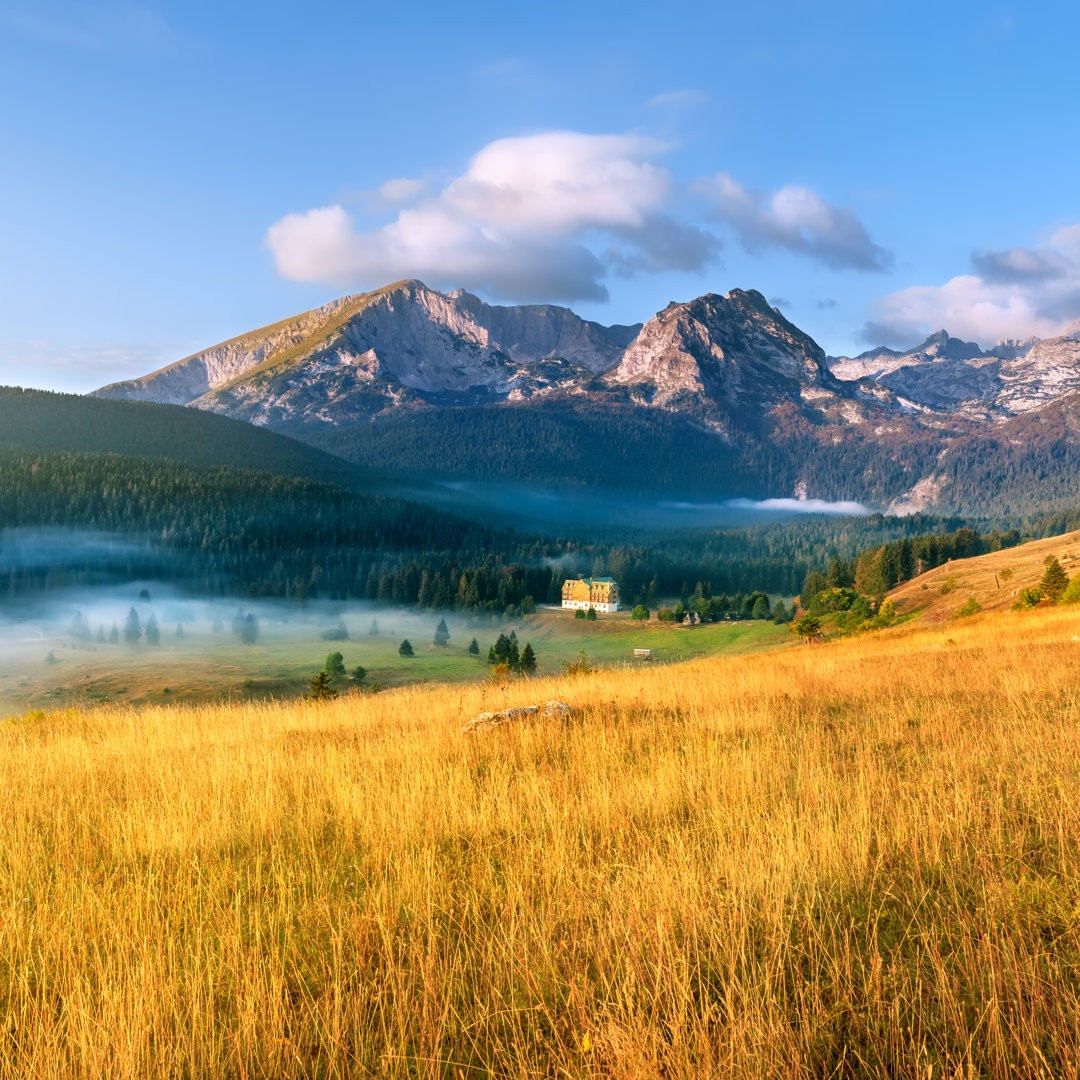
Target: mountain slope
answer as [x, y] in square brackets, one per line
[363, 353]
[720, 396]
[38, 420]
[732, 354]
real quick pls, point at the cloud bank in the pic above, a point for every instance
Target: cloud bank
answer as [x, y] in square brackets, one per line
[1009, 294]
[520, 223]
[552, 216]
[796, 219]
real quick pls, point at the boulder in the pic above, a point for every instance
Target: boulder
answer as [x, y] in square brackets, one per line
[557, 710]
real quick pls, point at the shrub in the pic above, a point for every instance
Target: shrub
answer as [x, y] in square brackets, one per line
[971, 606]
[590, 615]
[948, 584]
[1072, 594]
[665, 614]
[1028, 598]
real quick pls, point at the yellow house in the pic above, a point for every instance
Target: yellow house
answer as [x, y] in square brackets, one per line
[598, 593]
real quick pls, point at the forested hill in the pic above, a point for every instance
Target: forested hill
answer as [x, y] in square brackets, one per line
[39, 420]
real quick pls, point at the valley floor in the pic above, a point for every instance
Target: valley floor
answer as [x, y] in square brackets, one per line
[204, 666]
[853, 859]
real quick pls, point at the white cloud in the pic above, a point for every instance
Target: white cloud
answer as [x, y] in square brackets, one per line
[519, 224]
[1013, 293]
[796, 219]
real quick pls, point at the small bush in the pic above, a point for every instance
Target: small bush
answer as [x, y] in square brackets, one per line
[971, 606]
[1072, 593]
[948, 585]
[1028, 598]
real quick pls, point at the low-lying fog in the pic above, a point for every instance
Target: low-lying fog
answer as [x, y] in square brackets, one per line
[535, 508]
[153, 613]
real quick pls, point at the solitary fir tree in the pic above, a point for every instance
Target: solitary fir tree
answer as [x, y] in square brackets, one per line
[320, 687]
[1054, 580]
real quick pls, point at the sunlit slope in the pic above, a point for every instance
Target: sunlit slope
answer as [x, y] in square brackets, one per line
[855, 859]
[995, 580]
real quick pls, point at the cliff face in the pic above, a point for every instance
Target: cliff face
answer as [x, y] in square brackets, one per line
[724, 354]
[722, 360]
[424, 340]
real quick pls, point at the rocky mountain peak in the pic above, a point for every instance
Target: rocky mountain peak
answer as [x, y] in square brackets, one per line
[943, 346]
[722, 350]
[1072, 330]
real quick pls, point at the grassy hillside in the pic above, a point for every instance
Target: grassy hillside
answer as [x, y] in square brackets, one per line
[38, 420]
[857, 859]
[994, 580]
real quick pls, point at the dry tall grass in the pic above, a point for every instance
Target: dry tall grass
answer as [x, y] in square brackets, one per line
[849, 860]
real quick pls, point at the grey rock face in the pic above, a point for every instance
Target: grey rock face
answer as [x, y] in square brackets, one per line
[422, 339]
[1049, 371]
[732, 349]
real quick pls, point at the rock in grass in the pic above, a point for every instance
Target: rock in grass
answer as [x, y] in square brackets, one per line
[557, 710]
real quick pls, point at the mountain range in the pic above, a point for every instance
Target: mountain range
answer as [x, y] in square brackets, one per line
[721, 394]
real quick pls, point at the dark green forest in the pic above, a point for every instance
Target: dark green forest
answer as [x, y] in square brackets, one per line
[242, 532]
[39, 420]
[1027, 465]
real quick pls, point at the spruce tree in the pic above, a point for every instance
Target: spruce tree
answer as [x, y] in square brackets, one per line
[132, 627]
[1054, 580]
[442, 634]
[474, 647]
[153, 632]
[405, 648]
[528, 659]
[320, 687]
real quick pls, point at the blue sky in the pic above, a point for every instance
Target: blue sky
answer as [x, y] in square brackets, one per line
[176, 173]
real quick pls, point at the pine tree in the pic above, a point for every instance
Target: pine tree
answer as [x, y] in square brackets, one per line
[405, 648]
[442, 634]
[153, 633]
[132, 627]
[474, 647]
[1054, 580]
[320, 687]
[528, 659]
[373, 630]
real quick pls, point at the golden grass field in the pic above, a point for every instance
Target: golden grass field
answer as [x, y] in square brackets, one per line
[852, 859]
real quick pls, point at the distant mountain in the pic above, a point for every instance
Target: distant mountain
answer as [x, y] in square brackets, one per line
[719, 396]
[401, 345]
[723, 357]
[880, 361]
[944, 373]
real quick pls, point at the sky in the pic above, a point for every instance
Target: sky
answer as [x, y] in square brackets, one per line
[173, 174]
